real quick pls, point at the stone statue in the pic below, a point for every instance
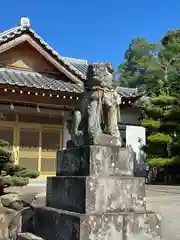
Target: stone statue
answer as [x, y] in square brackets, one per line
[97, 120]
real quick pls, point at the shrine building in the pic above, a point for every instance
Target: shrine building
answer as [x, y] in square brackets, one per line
[39, 89]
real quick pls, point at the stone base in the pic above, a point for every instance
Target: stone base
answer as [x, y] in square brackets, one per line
[95, 160]
[96, 194]
[50, 223]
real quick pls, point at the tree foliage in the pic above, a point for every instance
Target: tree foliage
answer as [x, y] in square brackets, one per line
[154, 68]
[139, 61]
[163, 131]
[11, 174]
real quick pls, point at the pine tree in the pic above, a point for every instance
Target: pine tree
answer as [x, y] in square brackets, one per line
[139, 60]
[11, 174]
[162, 122]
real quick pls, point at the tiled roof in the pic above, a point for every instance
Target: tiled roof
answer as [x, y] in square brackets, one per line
[76, 66]
[36, 80]
[52, 82]
[80, 64]
[127, 92]
[43, 81]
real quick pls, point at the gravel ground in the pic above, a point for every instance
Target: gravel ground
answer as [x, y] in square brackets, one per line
[166, 201]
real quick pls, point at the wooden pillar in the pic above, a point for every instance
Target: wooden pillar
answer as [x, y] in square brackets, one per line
[61, 138]
[16, 140]
[40, 150]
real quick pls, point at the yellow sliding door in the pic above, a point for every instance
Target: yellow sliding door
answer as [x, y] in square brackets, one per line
[51, 140]
[29, 146]
[33, 145]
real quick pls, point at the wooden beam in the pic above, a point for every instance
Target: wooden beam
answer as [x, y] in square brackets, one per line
[33, 99]
[18, 40]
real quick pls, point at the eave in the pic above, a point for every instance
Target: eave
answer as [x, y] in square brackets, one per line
[19, 34]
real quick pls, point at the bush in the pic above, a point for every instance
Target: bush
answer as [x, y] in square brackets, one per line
[11, 174]
[159, 138]
[158, 162]
[153, 112]
[164, 100]
[26, 173]
[161, 118]
[148, 123]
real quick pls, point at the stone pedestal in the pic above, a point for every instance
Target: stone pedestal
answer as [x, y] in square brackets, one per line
[95, 160]
[95, 196]
[51, 223]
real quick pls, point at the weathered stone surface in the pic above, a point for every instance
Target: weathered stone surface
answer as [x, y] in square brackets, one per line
[8, 199]
[66, 193]
[53, 224]
[99, 104]
[28, 236]
[95, 160]
[96, 194]
[130, 226]
[110, 161]
[6, 216]
[102, 227]
[72, 162]
[20, 221]
[17, 201]
[114, 194]
[39, 200]
[16, 212]
[143, 226]
[56, 224]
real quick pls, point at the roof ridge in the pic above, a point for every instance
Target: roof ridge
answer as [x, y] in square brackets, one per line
[77, 59]
[8, 31]
[20, 29]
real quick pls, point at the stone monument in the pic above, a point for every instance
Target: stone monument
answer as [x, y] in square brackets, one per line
[95, 195]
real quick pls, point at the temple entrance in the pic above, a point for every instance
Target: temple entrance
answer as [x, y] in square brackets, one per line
[33, 145]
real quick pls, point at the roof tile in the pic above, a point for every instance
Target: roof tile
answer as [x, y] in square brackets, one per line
[127, 92]
[44, 81]
[36, 80]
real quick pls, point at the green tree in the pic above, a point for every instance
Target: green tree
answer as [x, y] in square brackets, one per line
[155, 70]
[161, 114]
[162, 121]
[170, 54]
[152, 68]
[139, 60]
[11, 174]
[163, 72]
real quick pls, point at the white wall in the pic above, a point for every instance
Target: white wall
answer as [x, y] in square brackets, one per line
[135, 139]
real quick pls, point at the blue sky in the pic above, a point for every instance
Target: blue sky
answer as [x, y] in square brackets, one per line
[94, 30]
